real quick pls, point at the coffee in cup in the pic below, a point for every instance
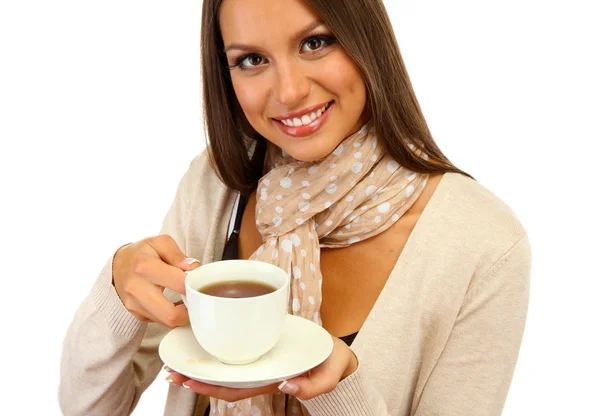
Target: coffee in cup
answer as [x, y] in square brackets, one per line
[237, 289]
[237, 308]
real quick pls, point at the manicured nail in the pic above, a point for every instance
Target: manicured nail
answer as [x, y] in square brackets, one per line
[166, 368]
[185, 386]
[288, 388]
[169, 379]
[191, 261]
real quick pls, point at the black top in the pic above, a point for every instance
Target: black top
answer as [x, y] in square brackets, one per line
[349, 338]
[231, 247]
[230, 252]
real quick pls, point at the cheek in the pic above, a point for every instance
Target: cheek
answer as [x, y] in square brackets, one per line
[250, 96]
[343, 78]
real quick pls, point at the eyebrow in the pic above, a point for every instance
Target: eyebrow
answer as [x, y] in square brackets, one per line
[298, 35]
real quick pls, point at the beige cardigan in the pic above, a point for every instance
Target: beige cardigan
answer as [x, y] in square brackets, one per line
[442, 338]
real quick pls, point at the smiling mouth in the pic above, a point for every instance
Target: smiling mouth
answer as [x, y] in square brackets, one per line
[307, 118]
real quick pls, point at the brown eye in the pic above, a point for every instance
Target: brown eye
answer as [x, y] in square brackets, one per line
[250, 61]
[317, 43]
[254, 60]
[314, 44]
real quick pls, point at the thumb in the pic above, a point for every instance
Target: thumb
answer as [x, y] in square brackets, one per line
[168, 250]
[189, 263]
[318, 381]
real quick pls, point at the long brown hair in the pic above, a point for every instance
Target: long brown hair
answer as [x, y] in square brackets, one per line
[363, 29]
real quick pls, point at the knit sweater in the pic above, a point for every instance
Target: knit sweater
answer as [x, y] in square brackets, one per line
[442, 338]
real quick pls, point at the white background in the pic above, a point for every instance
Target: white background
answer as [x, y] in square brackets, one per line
[100, 117]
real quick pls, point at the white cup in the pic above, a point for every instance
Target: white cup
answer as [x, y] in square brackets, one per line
[237, 330]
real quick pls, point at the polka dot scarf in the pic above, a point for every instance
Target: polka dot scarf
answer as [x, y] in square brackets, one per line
[356, 192]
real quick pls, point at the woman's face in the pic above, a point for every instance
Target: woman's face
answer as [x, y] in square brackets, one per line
[297, 87]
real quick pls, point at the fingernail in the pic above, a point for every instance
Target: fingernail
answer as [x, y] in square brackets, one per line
[169, 379]
[191, 261]
[166, 368]
[288, 388]
[185, 386]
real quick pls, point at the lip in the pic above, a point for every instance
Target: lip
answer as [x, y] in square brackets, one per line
[299, 114]
[303, 131]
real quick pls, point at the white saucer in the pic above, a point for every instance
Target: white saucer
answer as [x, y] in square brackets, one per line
[303, 345]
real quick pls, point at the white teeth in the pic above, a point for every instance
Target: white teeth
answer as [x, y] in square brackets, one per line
[306, 119]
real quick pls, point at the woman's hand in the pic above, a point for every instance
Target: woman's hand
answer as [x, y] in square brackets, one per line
[142, 270]
[322, 379]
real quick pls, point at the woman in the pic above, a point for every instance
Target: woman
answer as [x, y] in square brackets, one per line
[316, 138]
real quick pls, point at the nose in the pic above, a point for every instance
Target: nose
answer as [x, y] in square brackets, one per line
[291, 85]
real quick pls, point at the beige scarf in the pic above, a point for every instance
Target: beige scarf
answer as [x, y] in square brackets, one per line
[355, 193]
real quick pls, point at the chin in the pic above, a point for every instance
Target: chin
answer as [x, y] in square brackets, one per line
[310, 152]
[309, 156]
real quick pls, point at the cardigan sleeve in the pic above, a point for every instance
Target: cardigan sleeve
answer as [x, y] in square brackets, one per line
[353, 396]
[474, 371]
[109, 357]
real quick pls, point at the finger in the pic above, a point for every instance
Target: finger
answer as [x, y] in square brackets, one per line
[141, 313]
[135, 309]
[168, 250]
[225, 393]
[176, 378]
[156, 271]
[166, 313]
[320, 380]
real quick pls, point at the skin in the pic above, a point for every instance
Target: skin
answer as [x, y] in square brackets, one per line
[285, 75]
